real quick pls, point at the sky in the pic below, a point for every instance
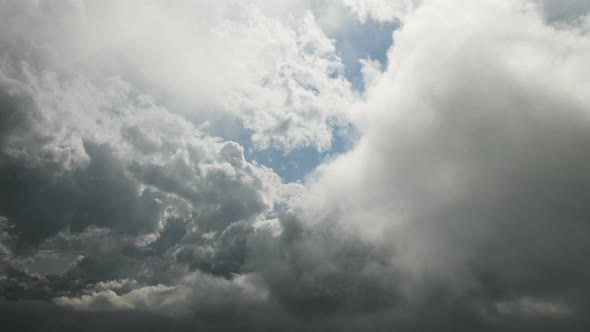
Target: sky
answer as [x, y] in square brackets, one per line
[294, 165]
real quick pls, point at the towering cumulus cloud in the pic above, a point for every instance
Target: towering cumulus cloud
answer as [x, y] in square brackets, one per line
[133, 195]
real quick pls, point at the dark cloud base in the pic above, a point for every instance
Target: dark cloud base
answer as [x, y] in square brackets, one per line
[30, 316]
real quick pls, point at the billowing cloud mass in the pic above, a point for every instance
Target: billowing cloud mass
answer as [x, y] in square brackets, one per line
[131, 197]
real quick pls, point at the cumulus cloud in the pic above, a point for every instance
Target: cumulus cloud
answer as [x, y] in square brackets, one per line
[279, 76]
[380, 10]
[461, 207]
[122, 144]
[472, 162]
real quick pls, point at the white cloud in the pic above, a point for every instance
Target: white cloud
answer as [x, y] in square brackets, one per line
[106, 134]
[470, 133]
[300, 95]
[380, 10]
[280, 75]
[195, 293]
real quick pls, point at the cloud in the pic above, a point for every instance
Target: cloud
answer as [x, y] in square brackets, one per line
[380, 10]
[473, 153]
[193, 294]
[280, 77]
[461, 207]
[565, 10]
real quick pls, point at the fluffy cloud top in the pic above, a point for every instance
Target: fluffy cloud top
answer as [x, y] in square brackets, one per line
[381, 10]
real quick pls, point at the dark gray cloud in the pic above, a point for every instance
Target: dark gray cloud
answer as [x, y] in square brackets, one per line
[565, 10]
[38, 202]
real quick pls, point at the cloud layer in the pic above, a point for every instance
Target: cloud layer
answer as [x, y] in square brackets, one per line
[126, 197]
